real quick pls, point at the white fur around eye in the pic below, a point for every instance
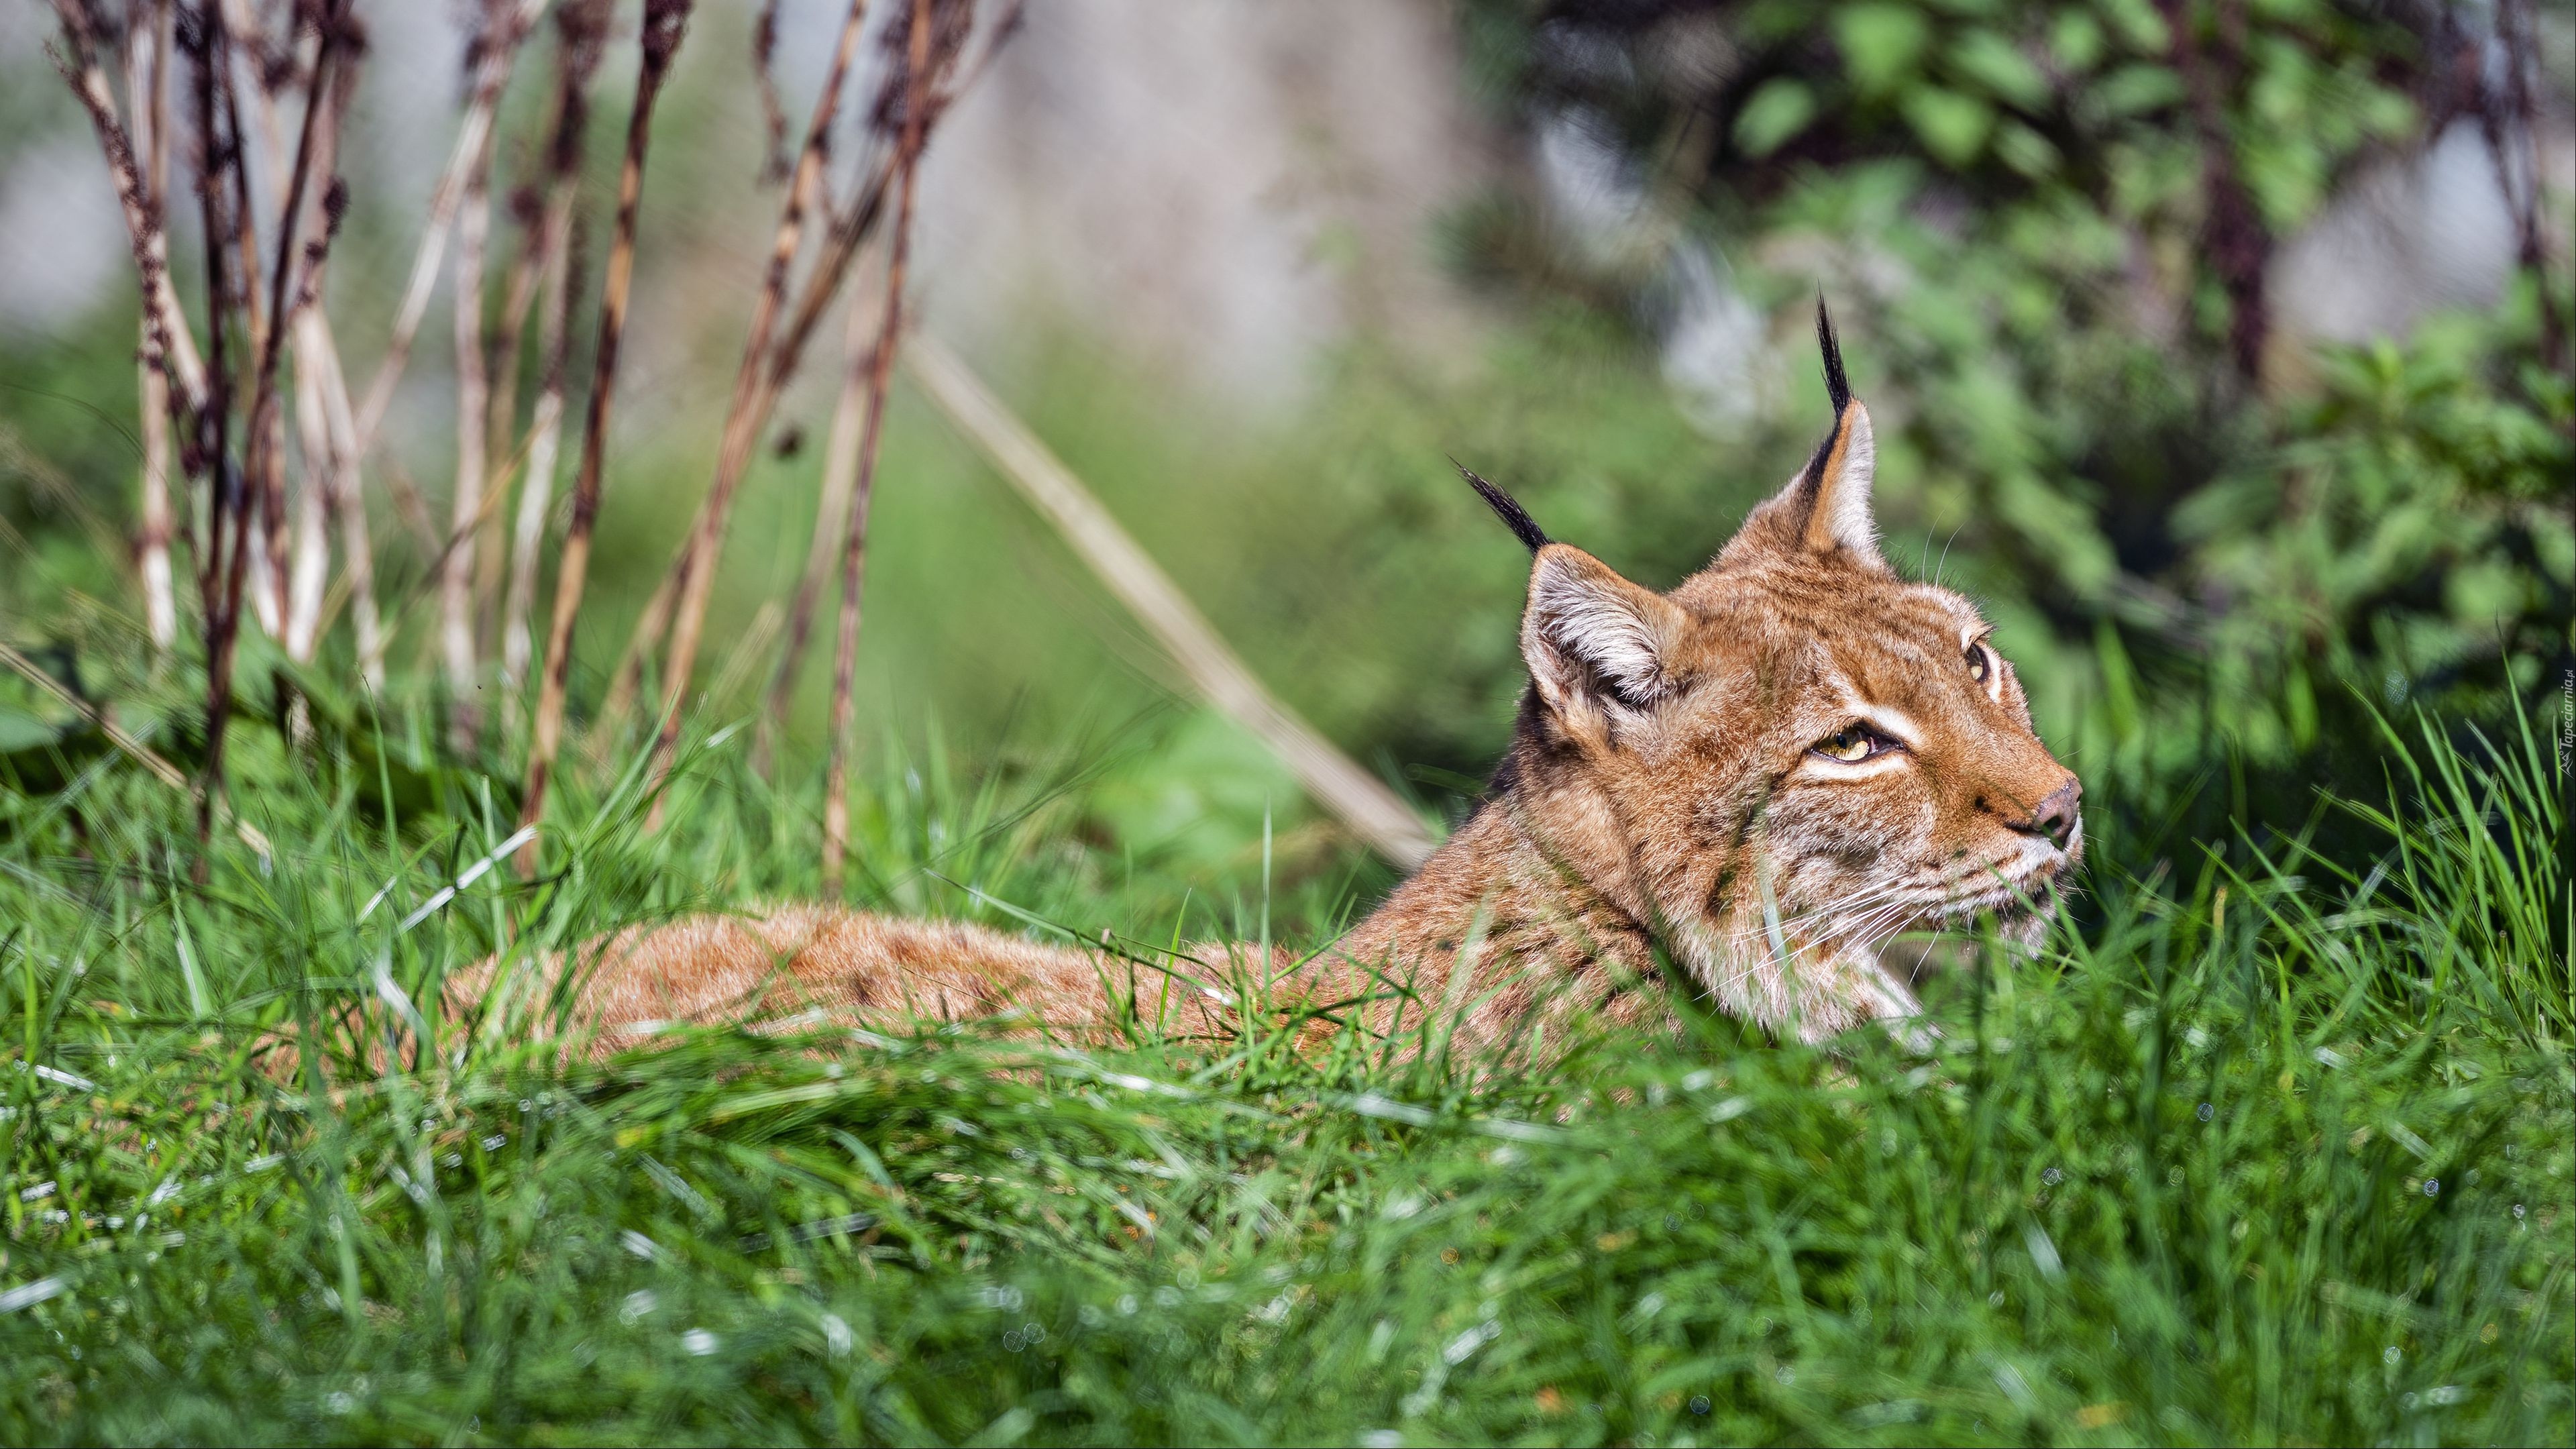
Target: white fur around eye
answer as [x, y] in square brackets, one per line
[1985, 666]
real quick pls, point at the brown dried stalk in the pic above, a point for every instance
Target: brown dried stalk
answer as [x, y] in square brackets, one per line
[322, 395]
[856, 221]
[840, 476]
[321, 409]
[147, 44]
[665, 22]
[752, 396]
[773, 116]
[341, 502]
[491, 73]
[490, 57]
[308, 575]
[322, 404]
[536, 489]
[318, 391]
[581, 29]
[524, 280]
[228, 510]
[854, 551]
[247, 64]
[290, 295]
[473, 408]
[853, 224]
[168, 346]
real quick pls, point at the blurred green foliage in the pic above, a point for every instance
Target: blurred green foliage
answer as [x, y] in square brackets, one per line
[2021, 215]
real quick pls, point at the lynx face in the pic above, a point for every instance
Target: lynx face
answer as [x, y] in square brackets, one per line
[1791, 757]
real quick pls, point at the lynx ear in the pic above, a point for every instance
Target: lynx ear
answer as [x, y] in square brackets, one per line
[1834, 491]
[1826, 508]
[1595, 642]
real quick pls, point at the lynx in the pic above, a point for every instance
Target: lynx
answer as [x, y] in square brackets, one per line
[1739, 789]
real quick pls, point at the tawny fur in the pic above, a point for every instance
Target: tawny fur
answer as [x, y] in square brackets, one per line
[1666, 810]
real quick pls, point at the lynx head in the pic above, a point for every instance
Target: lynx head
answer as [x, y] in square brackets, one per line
[1794, 754]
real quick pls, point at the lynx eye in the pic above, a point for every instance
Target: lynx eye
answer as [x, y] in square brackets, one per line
[1853, 744]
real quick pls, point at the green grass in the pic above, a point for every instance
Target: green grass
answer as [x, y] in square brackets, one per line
[2268, 1148]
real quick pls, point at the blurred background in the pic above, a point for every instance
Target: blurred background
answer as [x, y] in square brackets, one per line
[2219, 349]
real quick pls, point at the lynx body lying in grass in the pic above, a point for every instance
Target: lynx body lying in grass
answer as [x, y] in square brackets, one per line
[1750, 783]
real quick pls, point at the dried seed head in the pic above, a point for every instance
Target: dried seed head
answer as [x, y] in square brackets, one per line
[764, 52]
[665, 21]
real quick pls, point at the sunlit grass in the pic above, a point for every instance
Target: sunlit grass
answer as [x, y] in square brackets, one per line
[2273, 1148]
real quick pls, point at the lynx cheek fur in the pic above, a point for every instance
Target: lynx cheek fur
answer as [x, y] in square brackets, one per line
[1758, 777]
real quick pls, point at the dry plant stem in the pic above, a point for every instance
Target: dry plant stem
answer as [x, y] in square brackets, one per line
[851, 227]
[343, 501]
[168, 345]
[1370, 809]
[854, 551]
[579, 29]
[536, 490]
[850, 230]
[262, 439]
[856, 222]
[160, 601]
[528, 273]
[321, 388]
[319, 393]
[473, 404]
[257, 442]
[773, 116]
[840, 475]
[310, 569]
[288, 297]
[753, 393]
[472, 134]
[665, 21]
[219, 572]
[147, 46]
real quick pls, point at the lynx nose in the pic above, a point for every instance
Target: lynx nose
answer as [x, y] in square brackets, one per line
[2057, 816]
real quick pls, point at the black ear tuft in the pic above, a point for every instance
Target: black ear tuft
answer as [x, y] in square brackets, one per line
[1837, 386]
[1506, 508]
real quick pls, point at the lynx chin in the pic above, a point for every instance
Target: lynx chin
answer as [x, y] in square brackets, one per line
[1739, 789]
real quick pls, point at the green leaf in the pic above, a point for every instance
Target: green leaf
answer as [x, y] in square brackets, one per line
[1777, 112]
[2138, 24]
[1953, 127]
[20, 730]
[1998, 67]
[1881, 44]
[2026, 151]
[2077, 40]
[2288, 179]
[2133, 90]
